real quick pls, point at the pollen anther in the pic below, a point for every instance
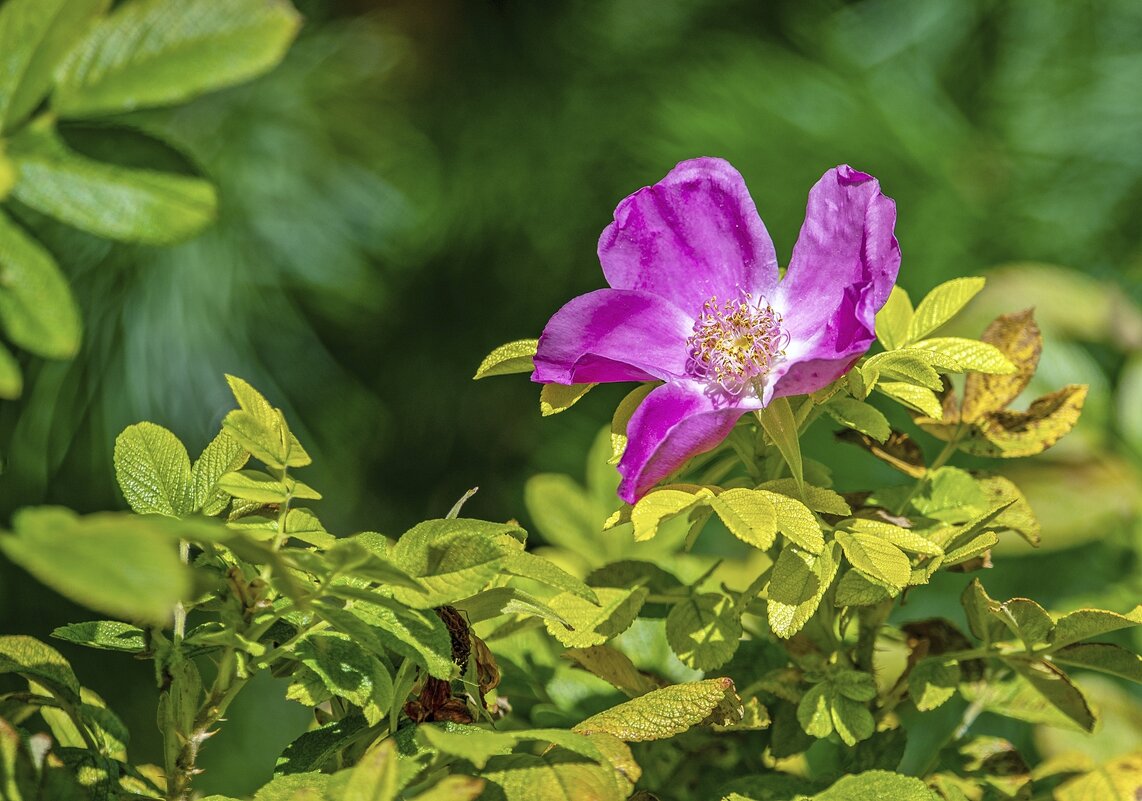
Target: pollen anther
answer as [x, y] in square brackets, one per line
[736, 343]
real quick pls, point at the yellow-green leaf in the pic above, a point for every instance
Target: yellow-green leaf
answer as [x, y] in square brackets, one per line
[153, 470]
[594, 624]
[920, 399]
[796, 520]
[749, 515]
[612, 666]
[1017, 337]
[902, 538]
[223, 455]
[656, 507]
[969, 355]
[893, 319]
[623, 413]
[781, 427]
[704, 630]
[1120, 779]
[661, 714]
[877, 558]
[513, 357]
[556, 398]
[859, 416]
[796, 586]
[941, 305]
[261, 429]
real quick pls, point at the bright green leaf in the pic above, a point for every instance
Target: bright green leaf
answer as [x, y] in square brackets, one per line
[594, 624]
[893, 319]
[656, 507]
[261, 429]
[153, 470]
[623, 413]
[903, 538]
[796, 586]
[348, 672]
[749, 515]
[36, 661]
[876, 557]
[941, 305]
[556, 398]
[855, 589]
[1084, 624]
[514, 357]
[109, 635]
[37, 309]
[877, 785]
[704, 630]
[818, 499]
[859, 416]
[120, 203]
[781, 427]
[920, 399]
[190, 47]
[223, 455]
[970, 355]
[663, 713]
[932, 682]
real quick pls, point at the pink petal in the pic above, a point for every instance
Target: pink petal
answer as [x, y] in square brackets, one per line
[613, 335]
[675, 422]
[693, 235]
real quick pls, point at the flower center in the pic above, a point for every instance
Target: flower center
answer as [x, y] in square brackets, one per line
[735, 343]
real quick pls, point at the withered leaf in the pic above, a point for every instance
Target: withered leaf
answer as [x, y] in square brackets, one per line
[1018, 337]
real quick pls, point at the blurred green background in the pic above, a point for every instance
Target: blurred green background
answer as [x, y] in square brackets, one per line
[423, 180]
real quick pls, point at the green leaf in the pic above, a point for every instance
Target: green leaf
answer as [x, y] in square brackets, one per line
[412, 633]
[104, 726]
[1117, 780]
[921, 399]
[859, 416]
[302, 524]
[37, 309]
[877, 558]
[877, 785]
[35, 35]
[451, 559]
[556, 776]
[319, 747]
[984, 615]
[663, 713]
[514, 357]
[120, 203]
[798, 583]
[781, 427]
[556, 398]
[223, 455]
[654, 508]
[852, 720]
[1103, 657]
[621, 418]
[941, 305]
[348, 672]
[1018, 516]
[11, 380]
[253, 485]
[749, 515]
[261, 429]
[293, 787]
[38, 662]
[1054, 685]
[498, 601]
[903, 538]
[796, 520]
[971, 549]
[817, 499]
[109, 635]
[123, 565]
[970, 355]
[704, 630]
[1086, 623]
[594, 624]
[562, 511]
[453, 788]
[1028, 620]
[613, 667]
[951, 495]
[854, 589]
[932, 682]
[374, 778]
[153, 470]
[528, 565]
[189, 48]
[893, 319]
[471, 743]
[911, 365]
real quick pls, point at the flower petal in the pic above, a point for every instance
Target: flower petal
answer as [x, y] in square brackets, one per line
[674, 422]
[612, 335]
[843, 268]
[693, 235]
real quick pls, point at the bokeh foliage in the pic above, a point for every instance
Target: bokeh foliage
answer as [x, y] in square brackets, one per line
[419, 182]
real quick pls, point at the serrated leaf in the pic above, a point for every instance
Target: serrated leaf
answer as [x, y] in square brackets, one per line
[261, 429]
[613, 667]
[120, 203]
[903, 538]
[921, 399]
[623, 413]
[452, 567]
[156, 53]
[319, 747]
[893, 319]
[37, 309]
[153, 470]
[818, 499]
[528, 565]
[498, 601]
[913, 366]
[932, 682]
[1054, 685]
[796, 520]
[781, 427]
[941, 305]
[656, 507]
[109, 635]
[223, 455]
[876, 557]
[877, 785]
[557, 775]
[594, 624]
[1018, 338]
[969, 355]
[796, 586]
[855, 589]
[348, 672]
[556, 398]
[1103, 657]
[859, 416]
[35, 35]
[748, 514]
[1048, 419]
[971, 549]
[1117, 780]
[412, 633]
[123, 565]
[663, 713]
[253, 485]
[36, 661]
[1084, 624]
[704, 630]
[512, 357]
[814, 711]
[302, 524]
